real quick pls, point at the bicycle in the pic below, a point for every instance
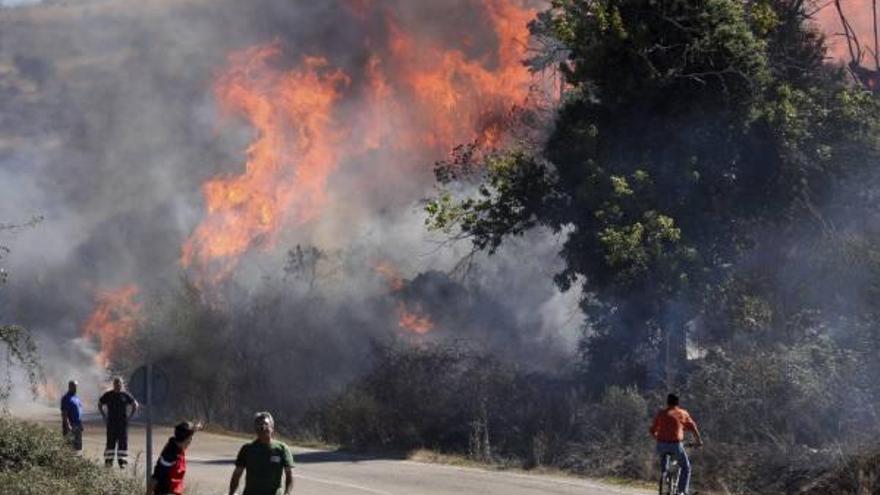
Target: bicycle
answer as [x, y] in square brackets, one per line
[670, 472]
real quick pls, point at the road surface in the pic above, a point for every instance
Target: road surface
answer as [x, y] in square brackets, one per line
[210, 462]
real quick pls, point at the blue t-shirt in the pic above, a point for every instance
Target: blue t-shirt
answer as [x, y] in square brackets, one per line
[72, 407]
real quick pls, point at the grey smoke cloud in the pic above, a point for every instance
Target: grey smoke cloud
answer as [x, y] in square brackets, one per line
[108, 128]
[19, 3]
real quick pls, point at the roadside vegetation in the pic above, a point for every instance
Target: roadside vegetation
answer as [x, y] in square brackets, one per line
[464, 403]
[35, 461]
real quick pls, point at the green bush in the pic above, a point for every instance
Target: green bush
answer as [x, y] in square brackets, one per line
[34, 460]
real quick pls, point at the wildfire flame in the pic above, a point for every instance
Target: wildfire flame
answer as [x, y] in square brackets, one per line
[414, 321]
[462, 98]
[114, 319]
[288, 163]
[390, 274]
[415, 100]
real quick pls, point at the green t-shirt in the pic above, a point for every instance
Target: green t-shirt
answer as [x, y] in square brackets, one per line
[264, 464]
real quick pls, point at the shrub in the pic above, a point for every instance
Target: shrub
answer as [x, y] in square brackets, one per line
[34, 460]
[613, 438]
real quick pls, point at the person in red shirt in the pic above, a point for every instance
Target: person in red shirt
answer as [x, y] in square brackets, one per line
[668, 429]
[170, 468]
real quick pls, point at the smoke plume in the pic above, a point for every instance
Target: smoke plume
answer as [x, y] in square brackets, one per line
[267, 143]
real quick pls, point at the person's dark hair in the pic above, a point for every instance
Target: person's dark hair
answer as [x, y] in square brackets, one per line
[183, 431]
[260, 416]
[671, 400]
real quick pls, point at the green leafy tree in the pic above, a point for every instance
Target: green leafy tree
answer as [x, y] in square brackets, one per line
[692, 134]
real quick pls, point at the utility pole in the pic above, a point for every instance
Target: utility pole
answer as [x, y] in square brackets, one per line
[149, 419]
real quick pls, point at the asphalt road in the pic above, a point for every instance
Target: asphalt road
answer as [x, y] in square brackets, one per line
[210, 462]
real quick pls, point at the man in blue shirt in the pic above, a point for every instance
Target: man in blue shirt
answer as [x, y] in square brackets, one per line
[71, 417]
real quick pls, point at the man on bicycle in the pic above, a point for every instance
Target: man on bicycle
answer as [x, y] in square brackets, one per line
[668, 429]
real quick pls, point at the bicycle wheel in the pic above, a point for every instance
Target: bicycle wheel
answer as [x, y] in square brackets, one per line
[672, 476]
[664, 476]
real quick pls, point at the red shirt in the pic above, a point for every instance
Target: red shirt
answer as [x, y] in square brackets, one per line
[671, 423]
[170, 470]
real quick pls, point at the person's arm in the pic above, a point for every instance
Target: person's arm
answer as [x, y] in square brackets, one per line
[101, 405]
[240, 464]
[691, 426]
[236, 476]
[65, 422]
[288, 471]
[697, 436]
[164, 464]
[134, 407]
[288, 480]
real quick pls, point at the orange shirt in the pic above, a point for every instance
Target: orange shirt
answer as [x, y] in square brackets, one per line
[671, 423]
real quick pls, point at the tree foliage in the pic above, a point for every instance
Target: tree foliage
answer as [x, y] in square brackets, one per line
[698, 144]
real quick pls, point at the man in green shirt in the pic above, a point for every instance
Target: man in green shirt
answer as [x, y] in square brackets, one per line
[264, 459]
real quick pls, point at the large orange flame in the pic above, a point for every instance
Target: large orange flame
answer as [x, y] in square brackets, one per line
[288, 163]
[462, 98]
[418, 100]
[114, 319]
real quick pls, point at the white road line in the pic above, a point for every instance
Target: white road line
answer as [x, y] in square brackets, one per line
[347, 485]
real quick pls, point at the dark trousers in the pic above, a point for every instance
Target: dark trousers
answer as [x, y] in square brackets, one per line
[117, 444]
[73, 436]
